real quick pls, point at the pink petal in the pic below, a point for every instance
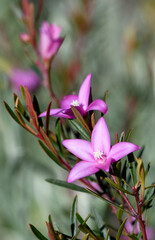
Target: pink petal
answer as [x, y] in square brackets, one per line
[80, 148]
[54, 47]
[67, 100]
[45, 40]
[98, 105]
[81, 170]
[122, 149]
[84, 92]
[100, 138]
[55, 31]
[105, 166]
[58, 112]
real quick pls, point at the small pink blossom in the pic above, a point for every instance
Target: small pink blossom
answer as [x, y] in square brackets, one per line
[20, 77]
[25, 37]
[80, 101]
[97, 154]
[50, 40]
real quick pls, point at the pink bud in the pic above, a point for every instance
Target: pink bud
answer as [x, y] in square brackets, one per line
[50, 40]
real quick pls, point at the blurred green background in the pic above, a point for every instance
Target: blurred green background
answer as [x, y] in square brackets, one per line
[115, 41]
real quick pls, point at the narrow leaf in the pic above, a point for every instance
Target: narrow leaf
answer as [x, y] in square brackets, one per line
[58, 135]
[129, 134]
[48, 117]
[48, 142]
[37, 109]
[86, 237]
[30, 107]
[66, 185]
[119, 214]
[80, 129]
[109, 202]
[131, 161]
[81, 120]
[12, 114]
[99, 222]
[117, 186]
[73, 216]
[119, 233]
[37, 233]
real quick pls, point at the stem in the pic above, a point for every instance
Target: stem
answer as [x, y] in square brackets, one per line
[125, 198]
[47, 76]
[139, 217]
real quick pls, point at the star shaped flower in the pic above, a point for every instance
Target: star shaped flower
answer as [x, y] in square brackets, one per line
[97, 154]
[80, 101]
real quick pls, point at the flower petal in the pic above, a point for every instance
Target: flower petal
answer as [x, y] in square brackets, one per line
[57, 112]
[100, 138]
[105, 166]
[55, 31]
[67, 100]
[99, 105]
[80, 148]
[54, 47]
[84, 92]
[80, 170]
[121, 149]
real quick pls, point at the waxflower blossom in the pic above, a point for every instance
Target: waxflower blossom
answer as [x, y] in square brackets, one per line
[50, 40]
[97, 154]
[80, 102]
[20, 77]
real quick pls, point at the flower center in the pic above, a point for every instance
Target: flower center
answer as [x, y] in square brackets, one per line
[75, 103]
[99, 156]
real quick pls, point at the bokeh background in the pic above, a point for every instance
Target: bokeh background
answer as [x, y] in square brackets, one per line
[115, 41]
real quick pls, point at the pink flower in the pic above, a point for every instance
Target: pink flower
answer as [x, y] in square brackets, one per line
[50, 40]
[97, 154]
[80, 102]
[29, 78]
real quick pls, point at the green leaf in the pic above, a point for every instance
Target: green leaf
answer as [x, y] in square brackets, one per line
[67, 185]
[22, 91]
[19, 107]
[99, 222]
[51, 229]
[122, 137]
[50, 154]
[37, 233]
[117, 186]
[132, 167]
[37, 109]
[141, 175]
[86, 237]
[133, 236]
[140, 152]
[109, 202]
[84, 227]
[80, 119]
[129, 134]
[80, 129]
[147, 169]
[30, 107]
[150, 186]
[12, 114]
[119, 213]
[73, 216]
[58, 135]
[119, 233]
[107, 236]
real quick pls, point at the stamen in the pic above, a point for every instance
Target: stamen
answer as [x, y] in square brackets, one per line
[99, 156]
[75, 103]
